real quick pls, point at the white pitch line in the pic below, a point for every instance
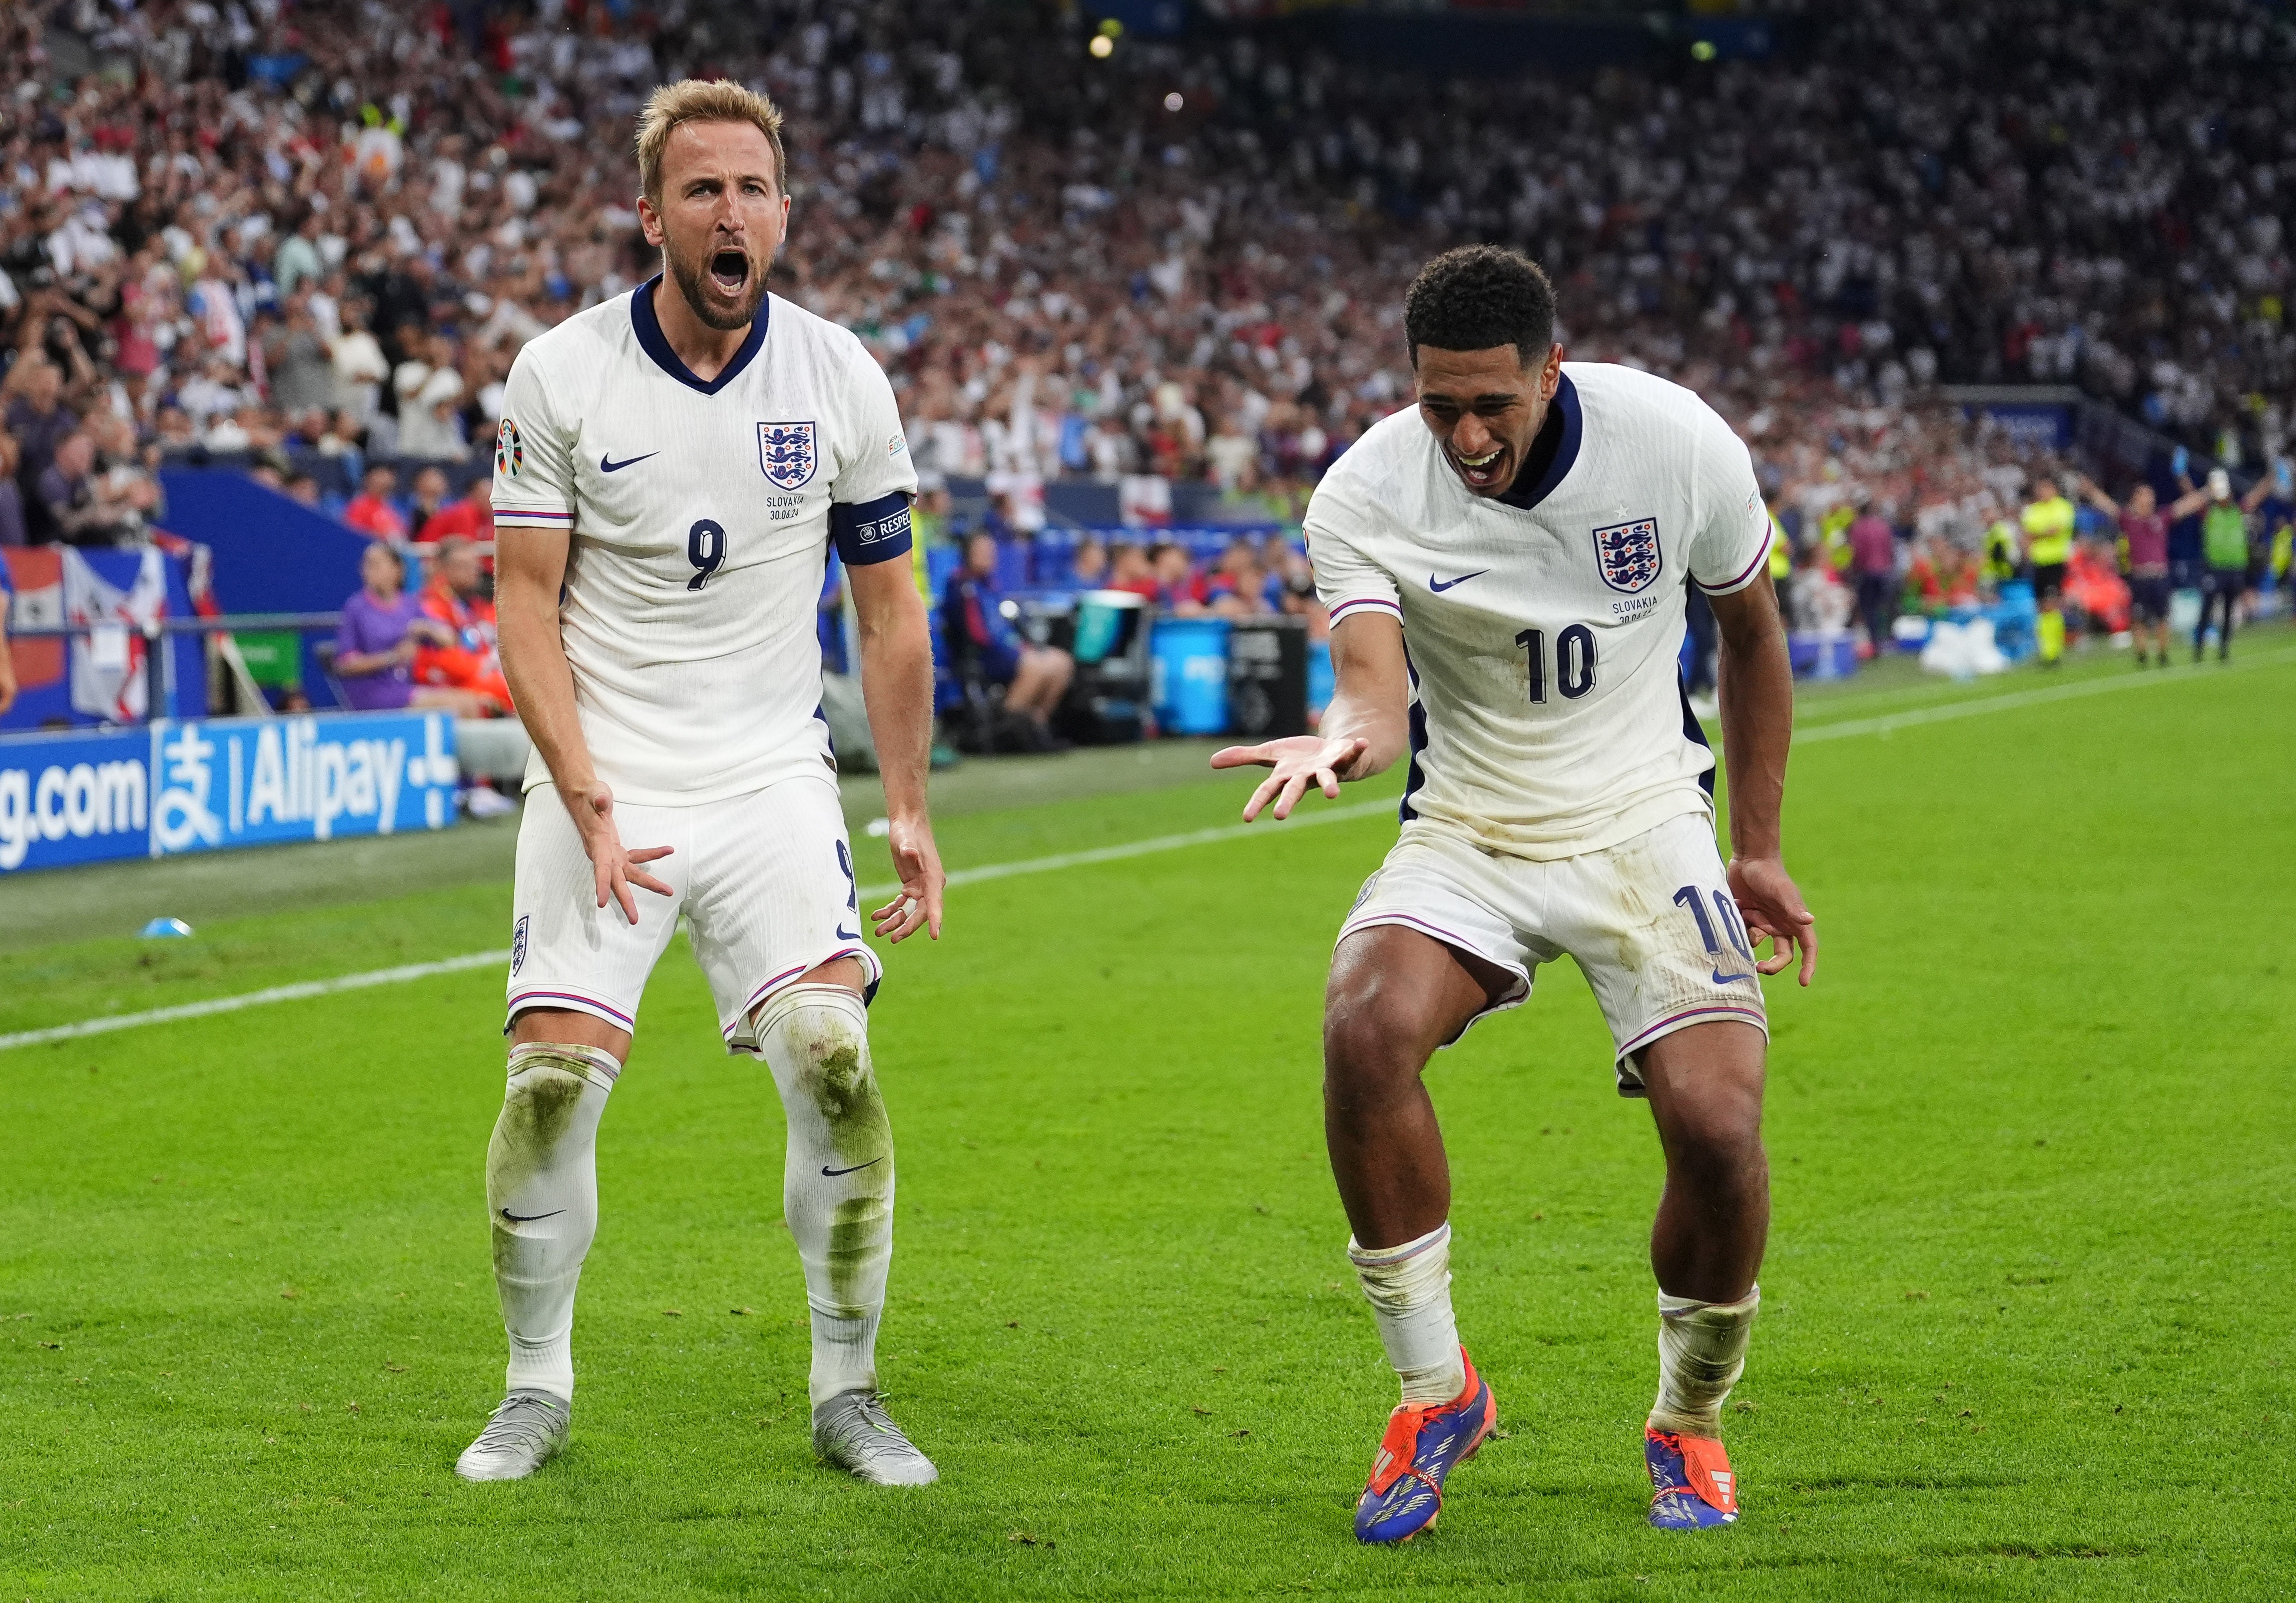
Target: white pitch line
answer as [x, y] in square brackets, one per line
[1162, 842]
[1097, 854]
[423, 971]
[253, 999]
[1890, 721]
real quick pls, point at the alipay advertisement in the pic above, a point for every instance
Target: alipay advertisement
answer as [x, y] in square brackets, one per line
[215, 784]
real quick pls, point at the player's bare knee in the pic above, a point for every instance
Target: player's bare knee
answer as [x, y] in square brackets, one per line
[846, 972]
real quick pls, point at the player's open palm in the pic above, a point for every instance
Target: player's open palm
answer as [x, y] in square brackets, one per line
[917, 861]
[1772, 908]
[617, 866]
[1298, 761]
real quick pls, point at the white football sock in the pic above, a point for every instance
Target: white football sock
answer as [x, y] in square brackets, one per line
[1702, 1351]
[836, 1182]
[542, 1200]
[1410, 1292]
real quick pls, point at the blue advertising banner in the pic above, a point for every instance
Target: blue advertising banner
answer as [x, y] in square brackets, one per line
[74, 798]
[215, 784]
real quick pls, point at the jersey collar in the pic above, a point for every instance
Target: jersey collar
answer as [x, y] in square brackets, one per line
[656, 344]
[1565, 425]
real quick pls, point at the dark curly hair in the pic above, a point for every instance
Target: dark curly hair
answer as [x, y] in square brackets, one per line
[1476, 297]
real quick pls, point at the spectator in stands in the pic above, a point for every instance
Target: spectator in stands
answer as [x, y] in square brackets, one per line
[40, 422]
[1239, 588]
[297, 360]
[304, 489]
[472, 517]
[361, 368]
[456, 597]
[1088, 570]
[1179, 588]
[1035, 677]
[430, 391]
[428, 497]
[1129, 571]
[374, 511]
[12, 494]
[375, 643]
[69, 499]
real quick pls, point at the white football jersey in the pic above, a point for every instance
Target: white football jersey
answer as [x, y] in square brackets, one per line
[702, 514]
[1548, 714]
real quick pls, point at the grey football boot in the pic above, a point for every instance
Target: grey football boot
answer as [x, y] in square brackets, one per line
[852, 1432]
[519, 1436]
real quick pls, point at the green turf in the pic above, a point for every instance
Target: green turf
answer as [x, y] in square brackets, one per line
[2025, 1310]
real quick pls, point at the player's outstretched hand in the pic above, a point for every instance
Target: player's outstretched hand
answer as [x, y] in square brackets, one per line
[615, 866]
[1772, 908]
[917, 860]
[1299, 760]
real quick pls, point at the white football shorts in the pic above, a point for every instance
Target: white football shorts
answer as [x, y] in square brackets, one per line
[765, 882]
[1651, 922]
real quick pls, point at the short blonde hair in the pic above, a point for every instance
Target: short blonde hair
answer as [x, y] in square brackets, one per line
[700, 99]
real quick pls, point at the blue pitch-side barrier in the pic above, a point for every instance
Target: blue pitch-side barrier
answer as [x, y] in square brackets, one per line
[210, 785]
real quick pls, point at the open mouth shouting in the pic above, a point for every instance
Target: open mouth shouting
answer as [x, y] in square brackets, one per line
[1484, 473]
[729, 271]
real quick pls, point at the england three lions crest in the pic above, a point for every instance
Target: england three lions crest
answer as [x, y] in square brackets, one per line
[1629, 555]
[788, 454]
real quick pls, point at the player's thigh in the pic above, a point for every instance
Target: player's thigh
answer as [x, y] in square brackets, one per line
[1705, 1088]
[776, 895]
[567, 953]
[1657, 932]
[1434, 942]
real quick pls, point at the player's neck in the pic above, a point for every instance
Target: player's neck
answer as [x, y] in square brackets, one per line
[705, 351]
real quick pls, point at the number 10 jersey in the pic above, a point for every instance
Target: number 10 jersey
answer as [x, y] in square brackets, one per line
[1547, 716]
[701, 512]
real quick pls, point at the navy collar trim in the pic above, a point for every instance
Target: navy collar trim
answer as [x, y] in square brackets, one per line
[656, 344]
[1566, 452]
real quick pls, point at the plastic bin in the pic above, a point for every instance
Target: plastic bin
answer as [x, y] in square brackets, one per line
[1190, 663]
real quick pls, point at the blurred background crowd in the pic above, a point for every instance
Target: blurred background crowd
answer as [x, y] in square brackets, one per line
[309, 238]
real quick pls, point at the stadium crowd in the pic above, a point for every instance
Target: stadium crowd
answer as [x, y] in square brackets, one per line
[305, 235]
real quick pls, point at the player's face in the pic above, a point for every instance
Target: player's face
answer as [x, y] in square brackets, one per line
[720, 219]
[1485, 406]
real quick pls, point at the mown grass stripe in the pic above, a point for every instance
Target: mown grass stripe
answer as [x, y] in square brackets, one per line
[1880, 725]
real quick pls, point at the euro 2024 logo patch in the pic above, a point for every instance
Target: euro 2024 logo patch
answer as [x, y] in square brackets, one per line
[1629, 555]
[788, 454]
[510, 450]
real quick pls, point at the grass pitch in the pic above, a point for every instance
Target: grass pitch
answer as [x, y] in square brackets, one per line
[2024, 1317]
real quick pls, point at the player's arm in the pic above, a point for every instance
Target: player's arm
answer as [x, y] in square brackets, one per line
[1366, 727]
[2096, 497]
[2190, 502]
[896, 684]
[529, 567]
[1755, 686]
[869, 524]
[534, 509]
[1363, 731]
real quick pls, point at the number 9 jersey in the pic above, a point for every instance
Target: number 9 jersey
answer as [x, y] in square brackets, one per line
[701, 514]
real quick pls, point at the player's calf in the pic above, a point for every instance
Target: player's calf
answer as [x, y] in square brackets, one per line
[542, 1210]
[837, 1198]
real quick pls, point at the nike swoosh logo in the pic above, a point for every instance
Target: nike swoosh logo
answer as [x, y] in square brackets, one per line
[1440, 584]
[845, 934]
[607, 464]
[857, 1168]
[530, 1218]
